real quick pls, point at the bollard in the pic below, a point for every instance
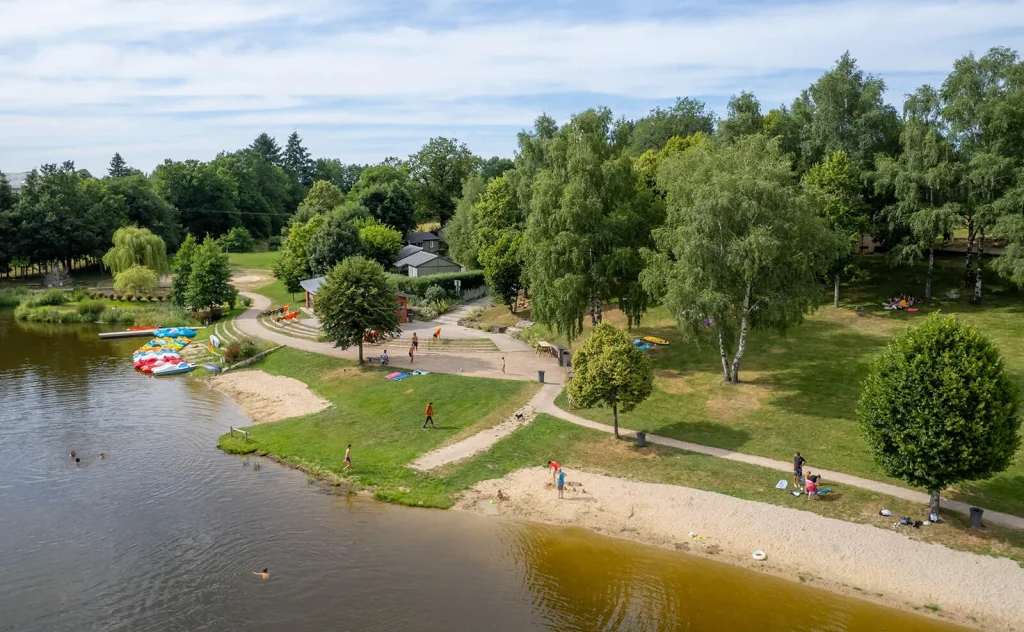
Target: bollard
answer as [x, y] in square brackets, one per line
[641, 439]
[540, 376]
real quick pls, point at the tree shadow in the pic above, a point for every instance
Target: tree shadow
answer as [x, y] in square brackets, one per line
[718, 435]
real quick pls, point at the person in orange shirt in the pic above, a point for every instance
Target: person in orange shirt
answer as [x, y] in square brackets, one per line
[430, 416]
[554, 469]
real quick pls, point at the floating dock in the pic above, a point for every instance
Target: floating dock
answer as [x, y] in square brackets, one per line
[131, 333]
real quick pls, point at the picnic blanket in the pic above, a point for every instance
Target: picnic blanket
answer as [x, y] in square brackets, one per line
[402, 376]
[641, 345]
[391, 376]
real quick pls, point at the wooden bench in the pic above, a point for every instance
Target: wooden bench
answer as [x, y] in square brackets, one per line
[543, 347]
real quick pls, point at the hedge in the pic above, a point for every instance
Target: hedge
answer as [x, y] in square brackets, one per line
[417, 286]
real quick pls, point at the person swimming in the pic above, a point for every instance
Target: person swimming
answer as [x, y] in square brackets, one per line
[264, 574]
[73, 454]
[102, 456]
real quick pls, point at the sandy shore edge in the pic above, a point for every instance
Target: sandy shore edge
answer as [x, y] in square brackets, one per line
[264, 397]
[884, 566]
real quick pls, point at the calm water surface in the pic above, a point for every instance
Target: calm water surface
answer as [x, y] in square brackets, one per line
[163, 534]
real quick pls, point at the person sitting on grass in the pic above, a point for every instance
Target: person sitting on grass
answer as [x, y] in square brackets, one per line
[811, 485]
[384, 358]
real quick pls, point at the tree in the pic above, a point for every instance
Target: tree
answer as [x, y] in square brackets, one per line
[609, 371]
[494, 166]
[379, 242]
[743, 119]
[265, 146]
[206, 196]
[926, 180]
[136, 280]
[502, 262]
[337, 239]
[938, 408]
[322, 198]
[439, 168]
[354, 300]
[460, 232]
[742, 247]
[9, 235]
[136, 247]
[146, 209]
[685, 118]
[390, 203]
[263, 191]
[183, 270]
[843, 210]
[343, 176]
[588, 221]
[119, 168]
[237, 239]
[208, 282]
[297, 161]
[293, 264]
[500, 223]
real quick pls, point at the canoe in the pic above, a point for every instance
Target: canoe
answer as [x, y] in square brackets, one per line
[174, 369]
[656, 340]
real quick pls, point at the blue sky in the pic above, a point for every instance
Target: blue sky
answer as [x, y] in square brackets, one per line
[363, 80]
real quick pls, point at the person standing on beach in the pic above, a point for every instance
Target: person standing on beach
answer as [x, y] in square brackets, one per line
[430, 415]
[561, 483]
[348, 458]
[411, 350]
[554, 469]
[798, 470]
[415, 341]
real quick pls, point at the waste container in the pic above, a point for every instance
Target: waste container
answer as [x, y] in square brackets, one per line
[976, 517]
[641, 439]
[540, 376]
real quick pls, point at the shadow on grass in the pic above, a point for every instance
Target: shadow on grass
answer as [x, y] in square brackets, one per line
[718, 435]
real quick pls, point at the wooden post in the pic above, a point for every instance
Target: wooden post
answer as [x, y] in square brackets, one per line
[244, 433]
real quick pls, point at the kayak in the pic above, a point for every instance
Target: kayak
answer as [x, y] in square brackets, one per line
[174, 369]
[656, 340]
[174, 332]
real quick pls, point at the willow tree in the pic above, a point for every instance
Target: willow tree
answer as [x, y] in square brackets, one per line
[588, 221]
[926, 180]
[135, 246]
[742, 246]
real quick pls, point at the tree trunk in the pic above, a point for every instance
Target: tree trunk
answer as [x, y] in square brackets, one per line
[615, 414]
[743, 338]
[979, 268]
[970, 252]
[595, 312]
[933, 502]
[928, 277]
[360, 352]
[725, 362]
[835, 293]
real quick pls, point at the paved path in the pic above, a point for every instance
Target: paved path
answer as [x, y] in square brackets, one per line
[520, 364]
[482, 441]
[547, 405]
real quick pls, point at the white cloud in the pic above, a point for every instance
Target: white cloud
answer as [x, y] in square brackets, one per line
[92, 75]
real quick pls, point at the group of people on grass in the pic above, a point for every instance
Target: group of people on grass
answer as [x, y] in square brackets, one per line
[385, 359]
[901, 302]
[803, 483]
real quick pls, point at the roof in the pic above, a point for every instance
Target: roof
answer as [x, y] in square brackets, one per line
[407, 251]
[312, 285]
[416, 260]
[417, 238]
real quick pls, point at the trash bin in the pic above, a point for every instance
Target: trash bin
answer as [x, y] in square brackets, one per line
[976, 517]
[641, 439]
[540, 376]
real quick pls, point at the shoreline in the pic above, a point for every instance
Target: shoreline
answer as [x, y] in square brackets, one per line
[850, 559]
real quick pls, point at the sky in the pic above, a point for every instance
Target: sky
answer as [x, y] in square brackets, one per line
[364, 80]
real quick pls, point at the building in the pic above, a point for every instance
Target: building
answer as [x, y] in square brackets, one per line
[425, 263]
[312, 286]
[429, 242]
[17, 180]
[408, 251]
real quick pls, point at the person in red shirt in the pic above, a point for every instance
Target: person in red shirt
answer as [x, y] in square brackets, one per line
[554, 469]
[811, 485]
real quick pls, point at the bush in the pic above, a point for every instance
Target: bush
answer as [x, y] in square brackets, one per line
[10, 297]
[435, 293]
[136, 280]
[118, 317]
[49, 314]
[241, 350]
[237, 239]
[418, 285]
[245, 301]
[274, 243]
[90, 308]
[231, 352]
[48, 298]
[78, 294]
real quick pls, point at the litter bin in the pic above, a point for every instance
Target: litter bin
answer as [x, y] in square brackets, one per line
[540, 376]
[976, 517]
[641, 439]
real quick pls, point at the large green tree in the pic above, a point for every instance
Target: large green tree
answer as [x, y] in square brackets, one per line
[460, 232]
[438, 170]
[9, 236]
[609, 371]
[206, 196]
[297, 161]
[743, 118]
[355, 299]
[337, 239]
[263, 191]
[265, 146]
[136, 280]
[743, 247]
[938, 408]
[208, 282]
[146, 208]
[119, 168]
[292, 266]
[587, 223]
[390, 203]
[500, 223]
[685, 118]
[135, 246]
[322, 198]
[183, 270]
[379, 242]
[344, 176]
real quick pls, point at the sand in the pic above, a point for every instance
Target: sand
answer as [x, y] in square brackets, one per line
[264, 397]
[883, 564]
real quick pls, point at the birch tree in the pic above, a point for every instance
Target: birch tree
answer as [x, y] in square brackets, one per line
[742, 247]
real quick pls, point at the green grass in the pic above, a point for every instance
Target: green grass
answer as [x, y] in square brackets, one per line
[253, 260]
[799, 391]
[382, 419]
[279, 295]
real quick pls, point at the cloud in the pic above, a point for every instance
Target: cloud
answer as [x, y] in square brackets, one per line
[92, 76]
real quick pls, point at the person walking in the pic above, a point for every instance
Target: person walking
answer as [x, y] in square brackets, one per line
[561, 483]
[430, 416]
[411, 350]
[348, 458]
[415, 341]
[503, 365]
[798, 470]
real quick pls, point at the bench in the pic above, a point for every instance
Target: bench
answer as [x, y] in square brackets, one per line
[543, 347]
[376, 359]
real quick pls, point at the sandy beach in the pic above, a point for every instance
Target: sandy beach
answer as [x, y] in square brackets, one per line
[264, 397]
[855, 559]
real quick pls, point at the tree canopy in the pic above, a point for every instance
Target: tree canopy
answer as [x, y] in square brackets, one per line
[355, 299]
[136, 247]
[439, 168]
[685, 118]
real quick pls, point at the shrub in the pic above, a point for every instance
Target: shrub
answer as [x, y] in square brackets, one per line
[237, 239]
[245, 301]
[49, 314]
[136, 280]
[78, 294]
[471, 280]
[48, 298]
[232, 352]
[10, 297]
[435, 293]
[91, 308]
[118, 317]
[274, 243]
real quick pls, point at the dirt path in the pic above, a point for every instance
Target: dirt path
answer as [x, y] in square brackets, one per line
[482, 441]
[855, 559]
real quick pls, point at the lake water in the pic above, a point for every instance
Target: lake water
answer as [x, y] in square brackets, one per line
[163, 534]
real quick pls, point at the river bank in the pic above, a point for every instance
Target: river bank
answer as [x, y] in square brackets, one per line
[853, 559]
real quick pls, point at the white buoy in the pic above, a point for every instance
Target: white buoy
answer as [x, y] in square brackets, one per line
[759, 555]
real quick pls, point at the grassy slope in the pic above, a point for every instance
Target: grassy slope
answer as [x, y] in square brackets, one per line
[800, 390]
[279, 295]
[382, 419]
[253, 260]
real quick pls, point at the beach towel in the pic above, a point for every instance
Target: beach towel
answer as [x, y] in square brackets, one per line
[421, 372]
[911, 309]
[822, 492]
[391, 376]
[783, 484]
[402, 376]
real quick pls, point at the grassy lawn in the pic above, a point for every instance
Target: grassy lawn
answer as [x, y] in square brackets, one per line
[253, 260]
[279, 295]
[800, 390]
[382, 419]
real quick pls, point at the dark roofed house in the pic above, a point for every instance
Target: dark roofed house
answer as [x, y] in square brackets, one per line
[407, 251]
[425, 263]
[312, 286]
[427, 241]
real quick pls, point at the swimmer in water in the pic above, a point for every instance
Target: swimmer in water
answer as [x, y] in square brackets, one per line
[102, 456]
[264, 574]
[73, 454]
[78, 461]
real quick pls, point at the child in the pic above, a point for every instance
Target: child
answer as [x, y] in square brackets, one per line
[430, 416]
[348, 458]
[812, 486]
[561, 482]
[554, 469]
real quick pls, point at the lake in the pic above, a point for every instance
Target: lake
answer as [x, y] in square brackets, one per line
[163, 534]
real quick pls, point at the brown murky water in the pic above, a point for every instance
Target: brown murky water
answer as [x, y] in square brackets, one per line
[163, 534]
